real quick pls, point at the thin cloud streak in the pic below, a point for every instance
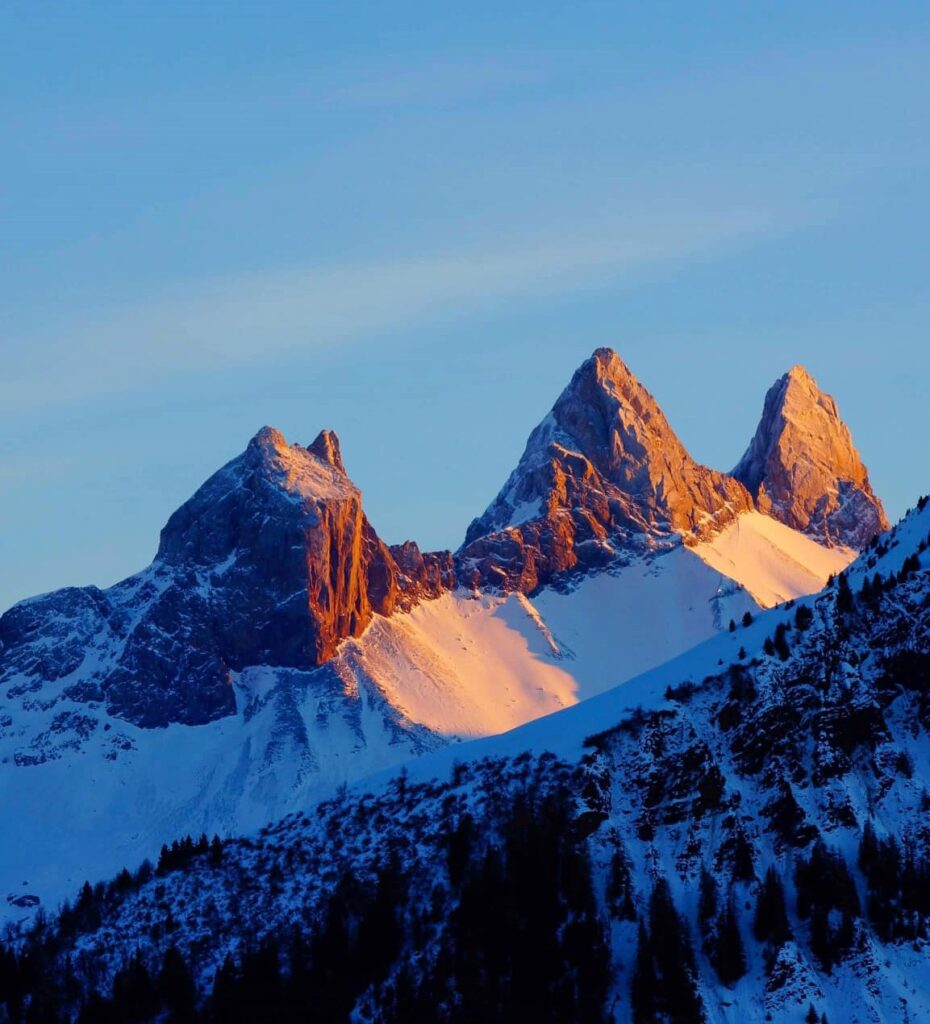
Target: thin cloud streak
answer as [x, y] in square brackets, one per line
[244, 318]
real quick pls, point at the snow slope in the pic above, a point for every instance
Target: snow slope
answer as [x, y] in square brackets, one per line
[772, 561]
[113, 800]
[477, 664]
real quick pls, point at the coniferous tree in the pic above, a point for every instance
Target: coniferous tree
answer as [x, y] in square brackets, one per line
[645, 983]
[620, 888]
[707, 905]
[135, 998]
[868, 849]
[743, 868]
[827, 896]
[176, 987]
[223, 1004]
[664, 982]
[781, 642]
[380, 935]
[728, 955]
[461, 842]
[770, 923]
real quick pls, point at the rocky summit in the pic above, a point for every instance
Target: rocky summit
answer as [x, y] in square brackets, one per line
[271, 562]
[603, 470]
[604, 474]
[803, 468]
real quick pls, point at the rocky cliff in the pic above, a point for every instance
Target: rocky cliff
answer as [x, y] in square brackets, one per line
[803, 468]
[604, 470]
[271, 562]
[604, 476]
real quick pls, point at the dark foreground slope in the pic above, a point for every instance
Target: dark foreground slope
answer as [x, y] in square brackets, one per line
[740, 835]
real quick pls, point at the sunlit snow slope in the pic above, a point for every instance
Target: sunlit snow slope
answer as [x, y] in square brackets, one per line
[476, 664]
[772, 561]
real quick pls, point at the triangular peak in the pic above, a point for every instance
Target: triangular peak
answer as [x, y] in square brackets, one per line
[803, 469]
[326, 447]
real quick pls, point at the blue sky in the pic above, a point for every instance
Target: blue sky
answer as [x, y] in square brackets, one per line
[410, 225]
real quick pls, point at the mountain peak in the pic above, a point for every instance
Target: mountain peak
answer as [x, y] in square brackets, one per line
[271, 562]
[326, 447]
[608, 362]
[607, 369]
[607, 415]
[799, 373]
[803, 469]
[268, 439]
[603, 469]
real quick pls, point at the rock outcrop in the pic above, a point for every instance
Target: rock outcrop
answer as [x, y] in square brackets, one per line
[604, 470]
[803, 468]
[271, 562]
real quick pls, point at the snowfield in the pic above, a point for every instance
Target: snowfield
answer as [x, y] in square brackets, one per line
[772, 561]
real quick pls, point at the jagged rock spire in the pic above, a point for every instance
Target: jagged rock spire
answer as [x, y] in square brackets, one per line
[804, 470]
[604, 467]
[271, 562]
[326, 447]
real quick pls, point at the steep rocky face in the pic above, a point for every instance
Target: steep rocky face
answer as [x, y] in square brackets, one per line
[602, 471]
[803, 468]
[421, 575]
[271, 562]
[301, 565]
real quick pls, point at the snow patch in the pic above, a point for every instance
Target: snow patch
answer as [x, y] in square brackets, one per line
[772, 561]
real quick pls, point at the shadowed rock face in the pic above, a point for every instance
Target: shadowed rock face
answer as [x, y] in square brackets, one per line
[803, 468]
[271, 562]
[604, 469]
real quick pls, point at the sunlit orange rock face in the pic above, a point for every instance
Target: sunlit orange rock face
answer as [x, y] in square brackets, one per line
[603, 469]
[271, 562]
[304, 565]
[803, 468]
[604, 474]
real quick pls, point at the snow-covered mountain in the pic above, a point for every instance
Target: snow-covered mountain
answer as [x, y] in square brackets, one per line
[276, 647]
[737, 835]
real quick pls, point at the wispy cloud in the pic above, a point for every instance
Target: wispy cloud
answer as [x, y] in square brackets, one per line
[239, 319]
